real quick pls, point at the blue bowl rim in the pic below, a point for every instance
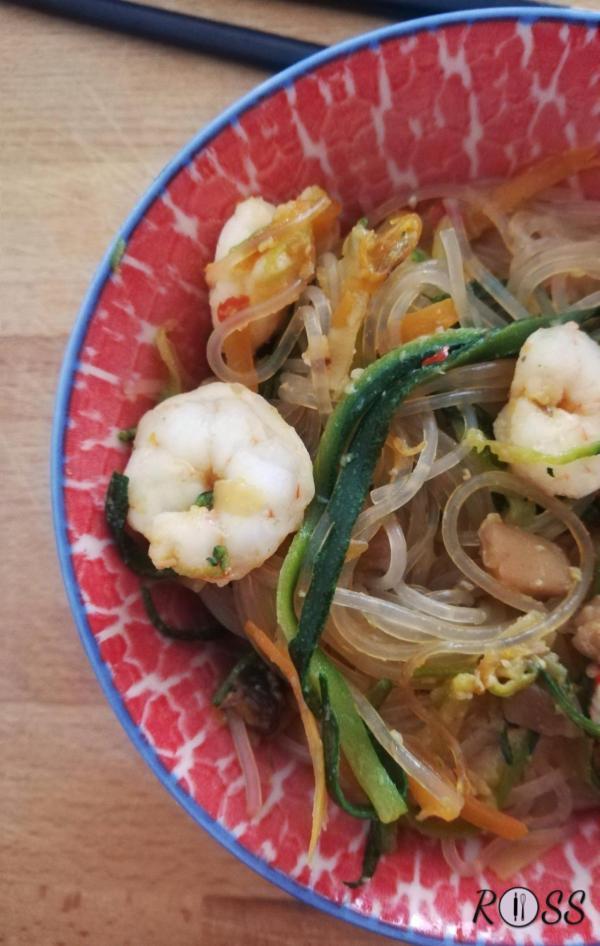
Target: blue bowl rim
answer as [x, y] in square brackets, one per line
[526, 15]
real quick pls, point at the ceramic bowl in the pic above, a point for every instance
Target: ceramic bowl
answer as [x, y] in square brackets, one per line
[448, 98]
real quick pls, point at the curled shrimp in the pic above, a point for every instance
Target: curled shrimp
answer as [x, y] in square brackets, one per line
[554, 407]
[262, 250]
[217, 480]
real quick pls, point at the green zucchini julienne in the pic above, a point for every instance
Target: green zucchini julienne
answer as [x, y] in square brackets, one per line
[331, 751]
[245, 661]
[176, 633]
[564, 700]
[355, 741]
[380, 840]
[505, 746]
[116, 507]
[517, 747]
[395, 771]
[379, 692]
[367, 411]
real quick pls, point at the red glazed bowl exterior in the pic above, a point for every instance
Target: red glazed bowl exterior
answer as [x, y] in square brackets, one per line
[452, 98]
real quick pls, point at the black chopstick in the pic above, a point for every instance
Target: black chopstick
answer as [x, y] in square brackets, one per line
[254, 47]
[407, 9]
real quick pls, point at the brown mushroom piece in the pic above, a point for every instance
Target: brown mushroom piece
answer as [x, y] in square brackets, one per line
[258, 696]
[523, 561]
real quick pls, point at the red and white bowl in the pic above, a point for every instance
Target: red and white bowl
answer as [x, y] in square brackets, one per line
[447, 98]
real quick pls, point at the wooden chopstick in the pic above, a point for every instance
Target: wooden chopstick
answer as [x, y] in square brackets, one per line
[254, 47]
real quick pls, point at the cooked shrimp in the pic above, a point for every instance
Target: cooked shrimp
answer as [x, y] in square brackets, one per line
[217, 480]
[554, 407]
[249, 216]
[286, 240]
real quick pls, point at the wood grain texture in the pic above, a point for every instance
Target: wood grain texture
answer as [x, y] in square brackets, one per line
[92, 849]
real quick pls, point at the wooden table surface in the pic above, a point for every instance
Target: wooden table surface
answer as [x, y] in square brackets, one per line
[92, 849]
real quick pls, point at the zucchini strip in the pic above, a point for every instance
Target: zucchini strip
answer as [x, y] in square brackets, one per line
[564, 701]
[387, 383]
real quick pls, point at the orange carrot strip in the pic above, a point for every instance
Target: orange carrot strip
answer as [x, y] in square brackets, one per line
[493, 820]
[170, 359]
[239, 354]
[431, 807]
[426, 321]
[284, 664]
[474, 811]
[548, 172]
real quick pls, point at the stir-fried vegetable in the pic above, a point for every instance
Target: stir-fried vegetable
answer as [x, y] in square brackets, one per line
[280, 659]
[538, 177]
[116, 506]
[517, 747]
[564, 699]
[331, 747]
[381, 839]
[433, 318]
[170, 359]
[512, 453]
[367, 411]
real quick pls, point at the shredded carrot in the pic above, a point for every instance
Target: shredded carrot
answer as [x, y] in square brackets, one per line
[493, 820]
[238, 347]
[431, 807]
[170, 359]
[356, 548]
[282, 661]
[474, 811]
[439, 315]
[240, 356]
[537, 177]
[342, 313]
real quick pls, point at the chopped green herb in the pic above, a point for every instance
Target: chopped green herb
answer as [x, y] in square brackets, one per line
[505, 747]
[437, 296]
[219, 558]
[517, 746]
[331, 750]
[381, 839]
[176, 633]
[127, 434]
[418, 255]
[118, 251]
[116, 507]
[205, 499]
[550, 471]
[564, 698]
[363, 222]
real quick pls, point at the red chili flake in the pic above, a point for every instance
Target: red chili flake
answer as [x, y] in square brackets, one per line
[436, 359]
[231, 306]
